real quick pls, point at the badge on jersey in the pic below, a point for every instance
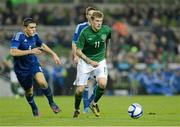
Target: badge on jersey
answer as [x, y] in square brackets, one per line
[103, 37]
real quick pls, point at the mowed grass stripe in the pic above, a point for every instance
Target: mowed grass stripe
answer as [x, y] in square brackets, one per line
[158, 110]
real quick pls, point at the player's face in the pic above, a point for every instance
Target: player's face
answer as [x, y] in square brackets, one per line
[97, 23]
[30, 29]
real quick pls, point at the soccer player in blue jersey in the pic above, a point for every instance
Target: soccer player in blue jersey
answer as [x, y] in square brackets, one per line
[79, 28]
[25, 46]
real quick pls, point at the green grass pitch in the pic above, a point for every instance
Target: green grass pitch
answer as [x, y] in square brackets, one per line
[158, 110]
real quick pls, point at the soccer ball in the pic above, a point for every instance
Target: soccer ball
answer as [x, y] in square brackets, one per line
[135, 110]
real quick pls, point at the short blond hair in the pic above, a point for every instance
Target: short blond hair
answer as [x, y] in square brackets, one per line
[97, 14]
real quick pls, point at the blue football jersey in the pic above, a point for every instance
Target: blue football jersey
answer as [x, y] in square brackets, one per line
[79, 28]
[22, 42]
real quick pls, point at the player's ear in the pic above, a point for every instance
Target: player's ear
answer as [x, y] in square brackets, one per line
[24, 27]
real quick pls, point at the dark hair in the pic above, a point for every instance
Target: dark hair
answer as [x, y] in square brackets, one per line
[27, 21]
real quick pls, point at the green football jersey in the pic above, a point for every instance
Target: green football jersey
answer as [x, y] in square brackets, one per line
[93, 44]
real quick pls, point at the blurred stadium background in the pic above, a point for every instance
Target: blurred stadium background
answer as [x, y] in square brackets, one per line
[145, 46]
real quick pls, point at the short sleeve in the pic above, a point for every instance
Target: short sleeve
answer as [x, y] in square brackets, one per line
[78, 31]
[75, 36]
[15, 42]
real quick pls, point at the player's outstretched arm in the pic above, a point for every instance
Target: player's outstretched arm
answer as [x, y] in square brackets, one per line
[18, 52]
[54, 55]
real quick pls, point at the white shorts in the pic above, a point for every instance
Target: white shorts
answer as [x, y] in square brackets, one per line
[84, 71]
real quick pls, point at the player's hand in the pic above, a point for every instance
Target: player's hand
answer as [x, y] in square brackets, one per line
[56, 59]
[36, 51]
[94, 63]
[75, 59]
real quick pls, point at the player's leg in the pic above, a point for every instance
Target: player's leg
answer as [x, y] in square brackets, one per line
[100, 89]
[91, 98]
[78, 98]
[86, 98]
[77, 102]
[81, 83]
[40, 79]
[26, 82]
[30, 98]
[101, 76]
[98, 94]
[89, 93]
[83, 73]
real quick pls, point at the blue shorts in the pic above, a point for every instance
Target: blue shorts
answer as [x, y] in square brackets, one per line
[26, 78]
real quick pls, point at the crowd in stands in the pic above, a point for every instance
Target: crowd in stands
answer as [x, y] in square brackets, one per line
[159, 81]
[132, 14]
[157, 45]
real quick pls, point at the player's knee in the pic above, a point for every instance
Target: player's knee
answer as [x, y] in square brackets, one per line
[102, 83]
[28, 92]
[79, 90]
[43, 84]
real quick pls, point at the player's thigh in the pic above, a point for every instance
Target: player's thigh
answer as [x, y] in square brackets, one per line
[83, 73]
[40, 79]
[101, 73]
[25, 79]
[82, 78]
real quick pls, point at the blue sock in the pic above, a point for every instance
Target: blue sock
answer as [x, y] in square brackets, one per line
[47, 92]
[85, 97]
[93, 94]
[31, 102]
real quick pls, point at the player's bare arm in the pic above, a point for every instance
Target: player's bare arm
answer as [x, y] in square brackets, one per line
[18, 52]
[85, 58]
[45, 48]
[75, 58]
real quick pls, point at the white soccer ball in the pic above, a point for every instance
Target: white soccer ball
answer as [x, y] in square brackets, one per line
[135, 110]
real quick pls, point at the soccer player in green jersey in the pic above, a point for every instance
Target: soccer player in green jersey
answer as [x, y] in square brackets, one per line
[88, 95]
[92, 49]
